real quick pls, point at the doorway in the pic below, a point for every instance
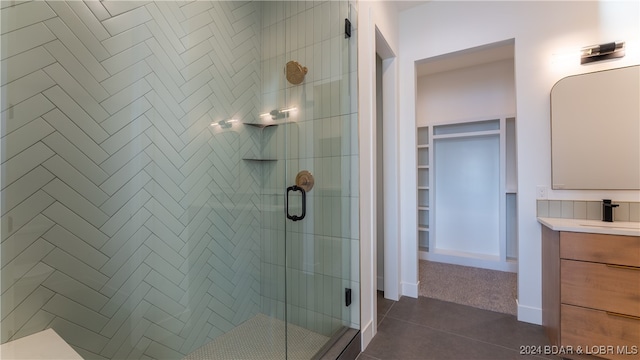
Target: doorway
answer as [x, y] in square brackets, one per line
[387, 196]
[467, 174]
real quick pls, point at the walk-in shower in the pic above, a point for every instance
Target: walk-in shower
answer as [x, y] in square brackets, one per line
[144, 191]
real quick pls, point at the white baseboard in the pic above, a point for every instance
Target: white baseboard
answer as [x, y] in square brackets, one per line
[366, 335]
[410, 290]
[529, 314]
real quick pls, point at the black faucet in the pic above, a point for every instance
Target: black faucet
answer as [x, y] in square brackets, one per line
[607, 210]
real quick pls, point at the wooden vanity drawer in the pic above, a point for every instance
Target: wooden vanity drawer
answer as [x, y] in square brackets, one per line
[593, 328]
[600, 286]
[612, 249]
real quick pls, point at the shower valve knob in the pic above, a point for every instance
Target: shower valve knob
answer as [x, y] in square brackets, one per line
[305, 180]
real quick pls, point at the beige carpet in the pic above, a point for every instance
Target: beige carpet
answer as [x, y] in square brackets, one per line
[480, 288]
[261, 337]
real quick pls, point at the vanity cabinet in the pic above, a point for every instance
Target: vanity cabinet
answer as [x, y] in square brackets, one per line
[591, 292]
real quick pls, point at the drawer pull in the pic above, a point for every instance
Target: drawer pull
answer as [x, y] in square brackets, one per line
[623, 267]
[623, 315]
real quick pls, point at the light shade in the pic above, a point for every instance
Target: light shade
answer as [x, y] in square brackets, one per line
[593, 53]
[224, 123]
[279, 113]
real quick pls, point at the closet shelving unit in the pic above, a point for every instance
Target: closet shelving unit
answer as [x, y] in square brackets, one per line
[428, 143]
[423, 155]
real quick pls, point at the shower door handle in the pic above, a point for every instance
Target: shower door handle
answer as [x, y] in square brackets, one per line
[304, 203]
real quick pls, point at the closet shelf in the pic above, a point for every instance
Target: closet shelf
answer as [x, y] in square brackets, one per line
[467, 134]
[424, 158]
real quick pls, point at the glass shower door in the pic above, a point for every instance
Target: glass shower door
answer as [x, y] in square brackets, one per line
[320, 176]
[310, 276]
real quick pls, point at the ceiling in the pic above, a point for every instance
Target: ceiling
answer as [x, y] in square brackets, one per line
[403, 5]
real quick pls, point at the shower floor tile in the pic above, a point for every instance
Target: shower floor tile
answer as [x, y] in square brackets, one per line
[261, 337]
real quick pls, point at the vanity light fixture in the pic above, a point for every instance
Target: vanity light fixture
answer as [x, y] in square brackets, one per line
[224, 123]
[593, 53]
[279, 113]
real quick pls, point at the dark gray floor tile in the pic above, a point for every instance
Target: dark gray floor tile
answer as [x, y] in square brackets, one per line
[427, 328]
[364, 356]
[397, 339]
[488, 326]
[383, 306]
[506, 331]
[441, 315]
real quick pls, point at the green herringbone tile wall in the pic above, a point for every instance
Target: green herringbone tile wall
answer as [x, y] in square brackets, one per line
[132, 226]
[129, 224]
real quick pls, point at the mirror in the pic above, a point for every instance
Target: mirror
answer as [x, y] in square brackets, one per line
[595, 131]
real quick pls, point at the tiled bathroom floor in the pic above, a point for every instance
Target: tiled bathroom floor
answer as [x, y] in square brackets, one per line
[427, 328]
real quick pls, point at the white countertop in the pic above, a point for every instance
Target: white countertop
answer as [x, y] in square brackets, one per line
[43, 345]
[592, 226]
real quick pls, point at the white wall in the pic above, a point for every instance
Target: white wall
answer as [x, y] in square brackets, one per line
[540, 30]
[473, 92]
[372, 15]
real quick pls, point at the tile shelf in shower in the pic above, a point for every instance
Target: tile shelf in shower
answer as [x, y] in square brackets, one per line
[259, 160]
[264, 125]
[260, 125]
